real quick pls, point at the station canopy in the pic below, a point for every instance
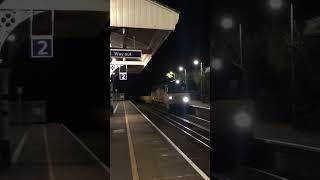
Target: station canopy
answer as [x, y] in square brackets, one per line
[73, 18]
[59, 5]
[139, 25]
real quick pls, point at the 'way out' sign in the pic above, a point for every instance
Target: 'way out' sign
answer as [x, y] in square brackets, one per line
[125, 53]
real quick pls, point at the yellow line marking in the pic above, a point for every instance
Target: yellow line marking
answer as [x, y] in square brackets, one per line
[50, 166]
[134, 169]
[19, 148]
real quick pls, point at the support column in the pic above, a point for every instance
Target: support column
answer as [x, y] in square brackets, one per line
[4, 118]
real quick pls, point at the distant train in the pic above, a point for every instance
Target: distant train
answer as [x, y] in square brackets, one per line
[171, 95]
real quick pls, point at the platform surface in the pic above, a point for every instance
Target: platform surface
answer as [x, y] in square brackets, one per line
[53, 152]
[140, 151]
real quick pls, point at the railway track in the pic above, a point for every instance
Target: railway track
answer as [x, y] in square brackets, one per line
[197, 130]
[191, 136]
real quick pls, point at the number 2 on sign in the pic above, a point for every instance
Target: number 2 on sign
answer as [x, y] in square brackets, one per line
[43, 49]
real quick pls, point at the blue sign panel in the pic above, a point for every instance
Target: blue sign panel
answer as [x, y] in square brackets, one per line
[125, 53]
[41, 47]
[123, 76]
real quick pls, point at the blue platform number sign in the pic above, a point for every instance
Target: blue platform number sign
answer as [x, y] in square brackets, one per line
[123, 76]
[41, 46]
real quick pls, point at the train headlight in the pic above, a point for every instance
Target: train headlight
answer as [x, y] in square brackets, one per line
[242, 120]
[170, 97]
[185, 99]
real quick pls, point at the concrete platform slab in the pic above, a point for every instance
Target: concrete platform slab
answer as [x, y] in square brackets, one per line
[52, 152]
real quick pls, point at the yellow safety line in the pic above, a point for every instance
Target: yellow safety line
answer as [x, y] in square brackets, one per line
[50, 165]
[134, 169]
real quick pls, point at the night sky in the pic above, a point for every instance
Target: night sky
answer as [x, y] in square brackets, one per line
[255, 14]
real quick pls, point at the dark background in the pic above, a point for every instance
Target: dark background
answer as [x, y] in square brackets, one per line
[266, 49]
[74, 83]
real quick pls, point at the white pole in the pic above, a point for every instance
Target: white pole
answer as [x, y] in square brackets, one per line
[52, 22]
[31, 24]
[291, 22]
[292, 62]
[185, 78]
[134, 42]
[240, 38]
[201, 81]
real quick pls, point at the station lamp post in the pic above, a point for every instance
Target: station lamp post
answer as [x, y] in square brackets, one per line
[277, 5]
[196, 62]
[185, 75]
[227, 23]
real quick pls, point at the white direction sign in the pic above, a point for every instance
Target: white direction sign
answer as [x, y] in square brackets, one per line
[42, 46]
[123, 76]
[126, 53]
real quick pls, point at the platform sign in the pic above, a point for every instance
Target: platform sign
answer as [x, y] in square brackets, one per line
[125, 53]
[123, 76]
[42, 46]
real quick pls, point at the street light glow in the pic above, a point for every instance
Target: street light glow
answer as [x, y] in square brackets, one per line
[227, 23]
[275, 4]
[177, 81]
[180, 68]
[196, 62]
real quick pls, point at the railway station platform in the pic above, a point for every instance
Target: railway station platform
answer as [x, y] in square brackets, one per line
[141, 151]
[285, 134]
[199, 104]
[52, 152]
[199, 109]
